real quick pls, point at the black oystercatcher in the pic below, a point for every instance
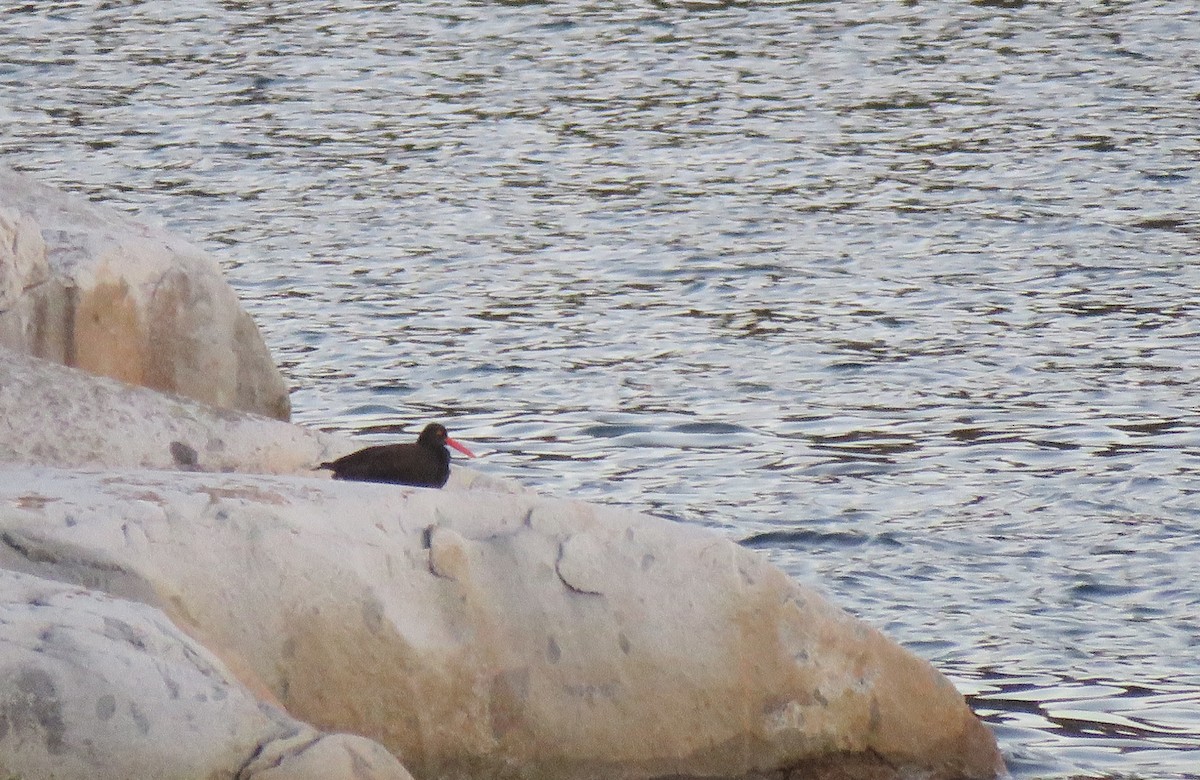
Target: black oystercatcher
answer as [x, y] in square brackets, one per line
[424, 464]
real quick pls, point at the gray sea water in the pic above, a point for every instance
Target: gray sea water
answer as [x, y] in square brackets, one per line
[903, 294]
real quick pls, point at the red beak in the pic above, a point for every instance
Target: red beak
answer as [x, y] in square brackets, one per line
[461, 448]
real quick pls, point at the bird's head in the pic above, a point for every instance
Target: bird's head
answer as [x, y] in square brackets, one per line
[435, 434]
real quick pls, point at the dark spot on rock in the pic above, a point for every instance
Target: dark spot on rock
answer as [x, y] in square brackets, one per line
[372, 612]
[36, 682]
[623, 641]
[647, 561]
[819, 698]
[139, 718]
[106, 705]
[185, 457]
[553, 652]
[33, 706]
[427, 538]
[120, 631]
[507, 700]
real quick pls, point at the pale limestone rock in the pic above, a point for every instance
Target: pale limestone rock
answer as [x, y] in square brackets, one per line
[59, 416]
[512, 637]
[98, 687]
[53, 415]
[326, 757]
[85, 285]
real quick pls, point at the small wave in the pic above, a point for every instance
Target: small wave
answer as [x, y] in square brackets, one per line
[805, 537]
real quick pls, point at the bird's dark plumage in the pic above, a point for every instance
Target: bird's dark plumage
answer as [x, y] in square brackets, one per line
[423, 464]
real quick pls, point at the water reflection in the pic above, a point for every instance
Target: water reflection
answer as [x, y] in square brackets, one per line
[1088, 724]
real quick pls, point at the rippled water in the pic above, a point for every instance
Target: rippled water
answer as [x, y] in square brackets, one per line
[903, 294]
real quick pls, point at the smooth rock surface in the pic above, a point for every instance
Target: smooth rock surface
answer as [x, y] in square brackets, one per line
[87, 286]
[98, 687]
[517, 636]
[58, 416]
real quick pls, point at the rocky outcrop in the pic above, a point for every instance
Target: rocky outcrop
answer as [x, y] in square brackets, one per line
[97, 687]
[84, 285]
[500, 635]
[162, 618]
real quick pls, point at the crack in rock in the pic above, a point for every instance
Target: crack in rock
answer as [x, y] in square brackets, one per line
[579, 569]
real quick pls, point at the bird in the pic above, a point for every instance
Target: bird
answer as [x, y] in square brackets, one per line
[426, 463]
